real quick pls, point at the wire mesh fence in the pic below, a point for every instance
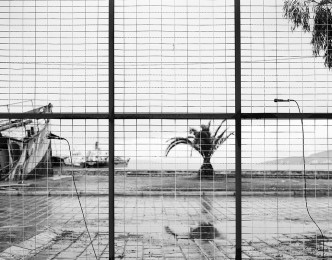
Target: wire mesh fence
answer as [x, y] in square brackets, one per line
[174, 56]
[54, 196]
[288, 177]
[165, 175]
[55, 52]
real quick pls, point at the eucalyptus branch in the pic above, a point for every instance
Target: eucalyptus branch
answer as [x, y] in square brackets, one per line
[299, 14]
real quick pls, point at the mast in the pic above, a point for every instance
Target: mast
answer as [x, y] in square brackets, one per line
[23, 122]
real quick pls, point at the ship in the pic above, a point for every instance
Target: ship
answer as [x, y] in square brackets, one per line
[95, 158]
[102, 163]
[99, 159]
[119, 162]
[25, 150]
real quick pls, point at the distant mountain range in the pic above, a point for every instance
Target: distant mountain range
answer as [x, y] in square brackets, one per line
[316, 158]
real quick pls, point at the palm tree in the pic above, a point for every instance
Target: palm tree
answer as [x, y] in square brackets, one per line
[203, 142]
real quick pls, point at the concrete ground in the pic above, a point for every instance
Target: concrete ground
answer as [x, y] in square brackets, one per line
[163, 227]
[165, 184]
[164, 217]
[42, 227]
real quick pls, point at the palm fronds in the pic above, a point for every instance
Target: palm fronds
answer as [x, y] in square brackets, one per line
[202, 141]
[220, 139]
[216, 132]
[182, 140]
[193, 131]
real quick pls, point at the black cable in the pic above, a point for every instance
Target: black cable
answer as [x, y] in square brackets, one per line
[53, 136]
[305, 179]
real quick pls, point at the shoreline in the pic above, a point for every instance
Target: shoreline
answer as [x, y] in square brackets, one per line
[310, 174]
[299, 193]
[95, 182]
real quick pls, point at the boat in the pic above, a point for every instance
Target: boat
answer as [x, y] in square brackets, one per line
[119, 162]
[25, 150]
[101, 163]
[98, 159]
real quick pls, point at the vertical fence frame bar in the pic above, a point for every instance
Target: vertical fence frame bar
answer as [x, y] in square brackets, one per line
[111, 129]
[238, 118]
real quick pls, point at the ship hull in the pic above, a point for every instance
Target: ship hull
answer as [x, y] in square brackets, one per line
[43, 168]
[103, 164]
[35, 158]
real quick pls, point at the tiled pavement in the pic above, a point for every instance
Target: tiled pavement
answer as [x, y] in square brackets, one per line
[54, 227]
[156, 227]
[203, 228]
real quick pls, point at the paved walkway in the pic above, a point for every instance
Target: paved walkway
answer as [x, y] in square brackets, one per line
[162, 227]
[203, 228]
[41, 227]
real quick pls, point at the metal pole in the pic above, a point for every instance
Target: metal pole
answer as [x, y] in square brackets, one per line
[111, 128]
[107, 115]
[238, 206]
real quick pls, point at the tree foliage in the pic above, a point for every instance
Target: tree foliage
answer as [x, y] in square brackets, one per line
[300, 12]
[202, 141]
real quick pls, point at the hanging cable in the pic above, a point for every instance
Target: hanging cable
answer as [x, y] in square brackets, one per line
[304, 169]
[55, 137]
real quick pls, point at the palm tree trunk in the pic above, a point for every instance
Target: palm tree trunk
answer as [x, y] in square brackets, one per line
[206, 169]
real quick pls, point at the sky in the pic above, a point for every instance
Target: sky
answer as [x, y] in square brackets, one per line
[170, 56]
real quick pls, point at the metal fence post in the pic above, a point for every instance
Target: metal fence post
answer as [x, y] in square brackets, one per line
[238, 206]
[111, 129]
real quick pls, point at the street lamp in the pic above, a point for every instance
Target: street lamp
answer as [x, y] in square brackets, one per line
[277, 100]
[52, 136]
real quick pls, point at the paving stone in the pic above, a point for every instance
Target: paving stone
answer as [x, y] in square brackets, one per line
[38, 242]
[141, 227]
[254, 253]
[17, 252]
[6, 256]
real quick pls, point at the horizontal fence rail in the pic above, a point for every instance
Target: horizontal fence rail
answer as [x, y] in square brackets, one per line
[167, 116]
[182, 58]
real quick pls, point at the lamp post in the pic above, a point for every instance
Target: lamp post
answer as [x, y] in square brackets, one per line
[277, 100]
[52, 136]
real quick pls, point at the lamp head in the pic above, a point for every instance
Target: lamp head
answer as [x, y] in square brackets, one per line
[53, 136]
[281, 100]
